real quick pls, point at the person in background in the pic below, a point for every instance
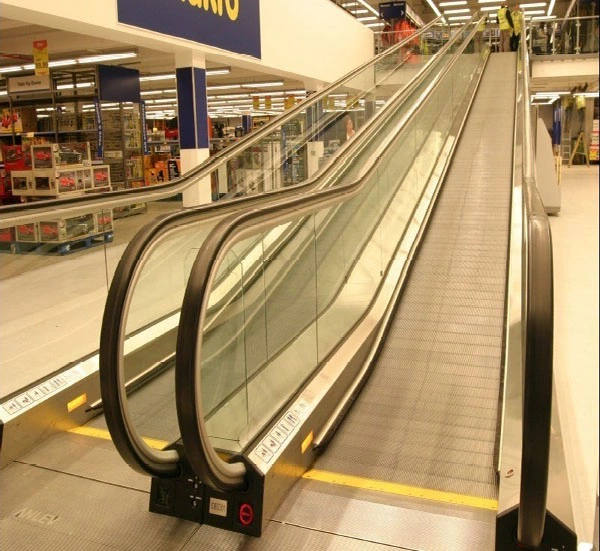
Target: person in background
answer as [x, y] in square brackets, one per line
[580, 105]
[479, 36]
[506, 24]
[517, 18]
[349, 128]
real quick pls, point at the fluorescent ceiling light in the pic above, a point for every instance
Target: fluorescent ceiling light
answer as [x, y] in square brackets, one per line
[490, 8]
[232, 96]
[488, 1]
[67, 62]
[224, 87]
[70, 86]
[157, 77]
[357, 12]
[10, 69]
[550, 7]
[459, 17]
[543, 18]
[588, 94]
[533, 12]
[434, 8]
[265, 94]
[369, 18]
[220, 71]
[378, 24]
[3, 93]
[151, 92]
[462, 10]
[533, 5]
[261, 84]
[369, 7]
[62, 63]
[457, 3]
[106, 57]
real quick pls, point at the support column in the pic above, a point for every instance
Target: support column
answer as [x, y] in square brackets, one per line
[192, 117]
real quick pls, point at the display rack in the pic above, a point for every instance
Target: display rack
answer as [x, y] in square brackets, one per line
[294, 151]
[69, 111]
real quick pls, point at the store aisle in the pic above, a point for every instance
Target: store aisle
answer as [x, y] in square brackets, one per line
[575, 241]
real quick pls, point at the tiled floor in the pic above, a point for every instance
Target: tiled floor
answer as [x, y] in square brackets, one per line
[575, 240]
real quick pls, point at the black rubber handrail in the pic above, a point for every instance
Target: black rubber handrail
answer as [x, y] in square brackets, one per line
[538, 343]
[204, 460]
[109, 199]
[127, 441]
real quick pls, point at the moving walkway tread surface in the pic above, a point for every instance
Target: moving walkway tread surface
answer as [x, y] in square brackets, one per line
[427, 417]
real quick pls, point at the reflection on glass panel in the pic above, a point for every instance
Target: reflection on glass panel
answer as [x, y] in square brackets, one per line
[224, 370]
[290, 299]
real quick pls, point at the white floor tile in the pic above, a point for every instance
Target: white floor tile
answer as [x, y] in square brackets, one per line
[575, 243]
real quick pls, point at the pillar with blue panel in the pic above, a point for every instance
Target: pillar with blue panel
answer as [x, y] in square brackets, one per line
[192, 118]
[230, 25]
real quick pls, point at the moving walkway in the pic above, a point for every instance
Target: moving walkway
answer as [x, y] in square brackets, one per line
[357, 294]
[56, 347]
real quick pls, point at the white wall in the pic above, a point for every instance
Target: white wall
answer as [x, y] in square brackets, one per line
[307, 39]
[565, 68]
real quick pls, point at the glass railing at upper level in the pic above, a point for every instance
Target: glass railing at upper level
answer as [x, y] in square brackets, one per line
[49, 244]
[570, 36]
[148, 288]
[293, 311]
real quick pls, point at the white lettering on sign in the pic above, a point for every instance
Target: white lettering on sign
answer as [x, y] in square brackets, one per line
[45, 519]
[217, 507]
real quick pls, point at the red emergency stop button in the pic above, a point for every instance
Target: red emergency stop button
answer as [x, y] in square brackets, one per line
[246, 514]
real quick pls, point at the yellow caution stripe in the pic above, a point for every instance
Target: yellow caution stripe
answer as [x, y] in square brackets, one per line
[401, 489]
[105, 435]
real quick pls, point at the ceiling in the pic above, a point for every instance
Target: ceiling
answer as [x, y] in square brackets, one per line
[424, 10]
[16, 39]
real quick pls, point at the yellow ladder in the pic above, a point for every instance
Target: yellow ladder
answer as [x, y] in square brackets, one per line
[580, 143]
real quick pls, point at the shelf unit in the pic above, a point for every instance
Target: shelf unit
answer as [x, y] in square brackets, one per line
[69, 111]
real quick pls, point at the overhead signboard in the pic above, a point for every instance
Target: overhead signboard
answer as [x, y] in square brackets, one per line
[118, 83]
[232, 25]
[27, 84]
[392, 10]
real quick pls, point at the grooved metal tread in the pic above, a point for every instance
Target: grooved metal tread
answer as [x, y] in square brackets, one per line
[427, 416]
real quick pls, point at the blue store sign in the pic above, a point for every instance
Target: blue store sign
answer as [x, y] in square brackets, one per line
[233, 25]
[392, 10]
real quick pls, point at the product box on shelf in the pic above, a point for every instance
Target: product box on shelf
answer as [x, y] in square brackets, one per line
[86, 175]
[21, 182]
[16, 157]
[7, 234]
[68, 180]
[74, 153]
[44, 182]
[27, 232]
[101, 177]
[44, 156]
[67, 229]
[22, 119]
[104, 221]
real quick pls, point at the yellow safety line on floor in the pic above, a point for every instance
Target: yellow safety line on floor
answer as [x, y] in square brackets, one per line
[401, 489]
[105, 435]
